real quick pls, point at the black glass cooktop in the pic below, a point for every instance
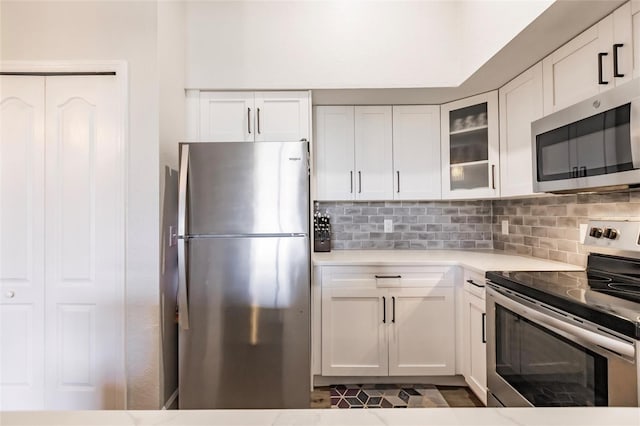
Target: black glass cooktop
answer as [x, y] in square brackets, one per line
[608, 293]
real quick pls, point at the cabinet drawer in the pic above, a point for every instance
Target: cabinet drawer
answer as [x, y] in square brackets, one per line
[474, 283]
[388, 276]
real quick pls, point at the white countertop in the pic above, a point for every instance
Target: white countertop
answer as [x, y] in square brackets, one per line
[478, 260]
[334, 417]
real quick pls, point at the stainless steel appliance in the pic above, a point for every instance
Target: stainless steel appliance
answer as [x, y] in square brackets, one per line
[244, 275]
[594, 144]
[568, 338]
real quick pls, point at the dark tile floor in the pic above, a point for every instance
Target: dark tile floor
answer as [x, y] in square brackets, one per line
[389, 396]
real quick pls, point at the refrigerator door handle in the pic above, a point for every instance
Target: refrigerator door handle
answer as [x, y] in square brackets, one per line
[183, 301]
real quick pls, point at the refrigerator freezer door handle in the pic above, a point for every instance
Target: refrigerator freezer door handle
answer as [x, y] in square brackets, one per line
[183, 304]
[183, 301]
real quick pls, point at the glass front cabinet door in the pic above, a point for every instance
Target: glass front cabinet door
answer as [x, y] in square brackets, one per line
[470, 149]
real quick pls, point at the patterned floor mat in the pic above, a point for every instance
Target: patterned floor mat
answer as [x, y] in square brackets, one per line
[386, 396]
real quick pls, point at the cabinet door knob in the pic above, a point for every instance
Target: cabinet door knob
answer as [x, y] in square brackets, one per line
[10, 294]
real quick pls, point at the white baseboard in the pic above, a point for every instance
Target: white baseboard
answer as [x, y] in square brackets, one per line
[172, 402]
[456, 380]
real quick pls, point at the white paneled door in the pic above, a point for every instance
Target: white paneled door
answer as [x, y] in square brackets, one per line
[422, 332]
[281, 116]
[416, 152]
[335, 154]
[77, 254]
[227, 117]
[22, 242]
[354, 336]
[373, 152]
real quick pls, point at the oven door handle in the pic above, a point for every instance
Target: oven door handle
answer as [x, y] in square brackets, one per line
[588, 336]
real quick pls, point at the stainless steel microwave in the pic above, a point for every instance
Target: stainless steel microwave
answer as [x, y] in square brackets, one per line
[593, 145]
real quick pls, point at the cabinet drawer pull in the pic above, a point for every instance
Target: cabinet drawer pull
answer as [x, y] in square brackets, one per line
[384, 310]
[351, 180]
[484, 327]
[616, 71]
[388, 276]
[473, 283]
[583, 171]
[249, 120]
[359, 182]
[600, 56]
[393, 312]
[398, 173]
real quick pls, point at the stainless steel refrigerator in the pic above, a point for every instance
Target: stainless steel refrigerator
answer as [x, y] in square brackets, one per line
[244, 274]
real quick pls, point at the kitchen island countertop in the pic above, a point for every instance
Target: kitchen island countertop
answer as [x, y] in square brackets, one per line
[343, 417]
[479, 261]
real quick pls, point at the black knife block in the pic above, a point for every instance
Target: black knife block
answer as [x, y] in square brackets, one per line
[321, 244]
[321, 231]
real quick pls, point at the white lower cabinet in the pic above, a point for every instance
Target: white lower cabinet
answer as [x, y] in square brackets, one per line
[354, 336]
[375, 324]
[421, 334]
[474, 339]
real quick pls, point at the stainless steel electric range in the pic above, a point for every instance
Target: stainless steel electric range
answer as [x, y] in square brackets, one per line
[569, 338]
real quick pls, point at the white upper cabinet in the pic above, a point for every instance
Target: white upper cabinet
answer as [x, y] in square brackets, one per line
[520, 104]
[377, 152]
[354, 152]
[226, 116]
[416, 152]
[335, 152]
[249, 116]
[635, 34]
[281, 116]
[596, 60]
[470, 147]
[373, 148]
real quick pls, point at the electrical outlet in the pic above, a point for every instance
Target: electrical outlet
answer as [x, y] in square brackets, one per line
[388, 225]
[505, 227]
[583, 231]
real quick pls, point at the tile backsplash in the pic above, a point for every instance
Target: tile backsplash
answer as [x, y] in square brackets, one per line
[416, 225]
[547, 227]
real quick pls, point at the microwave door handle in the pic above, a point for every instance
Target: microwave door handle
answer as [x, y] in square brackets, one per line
[634, 122]
[183, 299]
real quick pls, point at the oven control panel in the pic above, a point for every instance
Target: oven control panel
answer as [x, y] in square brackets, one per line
[614, 234]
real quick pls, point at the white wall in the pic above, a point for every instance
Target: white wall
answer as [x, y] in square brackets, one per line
[346, 44]
[171, 64]
[171, 67]
[105, 30]
[327, 44]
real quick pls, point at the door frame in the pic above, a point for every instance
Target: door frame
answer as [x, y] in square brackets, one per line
[120, 68]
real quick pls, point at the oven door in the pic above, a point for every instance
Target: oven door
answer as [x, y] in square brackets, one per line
[539, 357]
